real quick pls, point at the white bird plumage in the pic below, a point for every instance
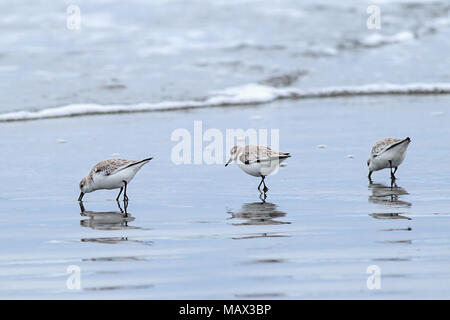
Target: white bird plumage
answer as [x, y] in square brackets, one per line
[387, 153]
[111, 174]
[257, 160]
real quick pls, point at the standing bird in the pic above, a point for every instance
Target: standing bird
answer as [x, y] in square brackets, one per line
[387, 153]
[111, 174]
[257, 161]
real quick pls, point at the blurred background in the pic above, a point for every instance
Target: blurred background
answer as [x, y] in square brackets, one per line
[125, 53]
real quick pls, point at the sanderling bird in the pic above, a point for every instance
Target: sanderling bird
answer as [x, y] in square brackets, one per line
[111, 174]
[387, 153]
[257, 161]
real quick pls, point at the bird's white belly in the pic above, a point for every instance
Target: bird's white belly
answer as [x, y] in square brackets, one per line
[259, 169]
[394, 156]
[114, 181]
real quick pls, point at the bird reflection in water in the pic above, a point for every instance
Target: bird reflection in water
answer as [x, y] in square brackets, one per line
[108, 220]
[390, 196]
[258, 213]
[388, 216]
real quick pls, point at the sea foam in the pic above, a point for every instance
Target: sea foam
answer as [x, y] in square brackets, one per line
[240, 95]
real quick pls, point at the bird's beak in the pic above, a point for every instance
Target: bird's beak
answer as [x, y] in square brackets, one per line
[228, 162]
[81, 196]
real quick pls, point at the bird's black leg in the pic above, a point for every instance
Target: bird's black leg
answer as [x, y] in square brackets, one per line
[118, 205]
[370, 177]
[120, 192]
[125, 203]
[125, 197]
[395, 169]
[259, 185]
[392, 173]
[265, 189]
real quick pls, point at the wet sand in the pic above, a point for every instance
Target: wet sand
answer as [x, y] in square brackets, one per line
[201, 231]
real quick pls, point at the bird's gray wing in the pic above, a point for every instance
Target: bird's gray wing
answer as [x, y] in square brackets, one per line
[108, 167]
[255, 154]
[382, 145]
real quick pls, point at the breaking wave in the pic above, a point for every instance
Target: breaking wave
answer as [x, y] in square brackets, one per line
[235, 96]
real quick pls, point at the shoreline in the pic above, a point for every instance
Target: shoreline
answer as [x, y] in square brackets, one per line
[251, 94]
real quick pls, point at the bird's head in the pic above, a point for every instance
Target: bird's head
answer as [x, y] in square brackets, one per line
[234, 152]
[85, 187]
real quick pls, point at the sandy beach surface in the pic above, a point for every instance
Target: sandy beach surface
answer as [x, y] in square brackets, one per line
[201, 231]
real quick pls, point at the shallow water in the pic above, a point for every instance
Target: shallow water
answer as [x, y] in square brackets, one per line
[201, 231]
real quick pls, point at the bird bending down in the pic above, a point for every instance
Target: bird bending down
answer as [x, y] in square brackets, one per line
[387, 153]
[257, 161]
[111, 174]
